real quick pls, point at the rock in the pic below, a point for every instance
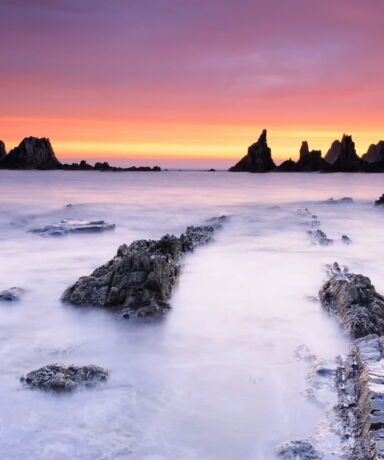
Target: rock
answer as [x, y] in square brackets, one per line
[310, 160]
[345, 239]
[375, 153]
[139, 280]
[66, 226]
[355, 301]
[11, 294]
[3, 151]
[319, 237]
[31, 153]
[342, 156]
[380, 201]
[360, 386]
[104, 166]
[286, 166]
[297, 450]
[65, 378]
[258, 158]
[344, 200]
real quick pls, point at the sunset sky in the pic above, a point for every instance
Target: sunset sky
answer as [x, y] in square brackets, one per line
[190, 82]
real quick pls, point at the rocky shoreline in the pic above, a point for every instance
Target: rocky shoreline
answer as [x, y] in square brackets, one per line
[360, 376]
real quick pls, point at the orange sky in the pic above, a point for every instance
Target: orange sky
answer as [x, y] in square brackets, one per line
[172, 82]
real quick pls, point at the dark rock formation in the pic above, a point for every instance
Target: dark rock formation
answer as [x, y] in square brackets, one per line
[65, 378]
[380, 201]
[11, 294]
[375, 153]
[342, 156]
[31, 153]
[84, 166]
[286, 166]
[3, 151]
[73, 226]
[258, 158]
[139, 280]
[297, 450]
[354, 300]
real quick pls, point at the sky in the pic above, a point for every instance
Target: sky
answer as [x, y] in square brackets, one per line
[190, 82]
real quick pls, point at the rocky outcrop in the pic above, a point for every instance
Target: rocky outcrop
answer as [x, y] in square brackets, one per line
[319, 237]
[66, 226]
[139, 280]
[375, 153]
[104, 166]
[65, 378]
[258, 158]
[3, 151]
[31, 153]
[353, 298]
[12, 294]
[380, 201]
[344, 200]
[342, 156]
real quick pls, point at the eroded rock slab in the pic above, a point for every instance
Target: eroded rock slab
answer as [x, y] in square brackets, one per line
[301, 449]
[139, 280]
[66, 226]
[65, 378]
[353, 298]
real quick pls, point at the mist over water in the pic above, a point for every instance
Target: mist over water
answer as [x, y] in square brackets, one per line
[219, 377]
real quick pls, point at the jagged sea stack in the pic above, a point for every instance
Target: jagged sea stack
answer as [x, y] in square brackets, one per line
[3, 152]
[258, 158]
[31, 153]
[310, 160]
[342, 156]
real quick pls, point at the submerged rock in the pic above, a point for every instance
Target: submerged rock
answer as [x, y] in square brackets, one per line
[31, 153]
[139, 280]
[344, 200]
[353, 298]
[319, 237]
[297, 450]
[345, 239]
[65, 378]
[73, 226]
[11, 294]
[258, 158]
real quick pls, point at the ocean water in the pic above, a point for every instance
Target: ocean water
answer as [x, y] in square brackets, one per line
[226, 374]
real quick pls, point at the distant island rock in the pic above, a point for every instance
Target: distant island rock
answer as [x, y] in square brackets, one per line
[341, 157]
[258, 158]
[37, 153]
[31, 153]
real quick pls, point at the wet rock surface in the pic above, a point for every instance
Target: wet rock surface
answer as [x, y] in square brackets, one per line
[139, 280]
[65, 378]
[258, 158]
[66, 226]
[353, 298]
[11, 295]
[319, 237]
[297, 450]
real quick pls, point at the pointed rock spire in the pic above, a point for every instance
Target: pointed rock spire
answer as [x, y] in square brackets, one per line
[258, 158]
[3, 151]
[374, 153]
